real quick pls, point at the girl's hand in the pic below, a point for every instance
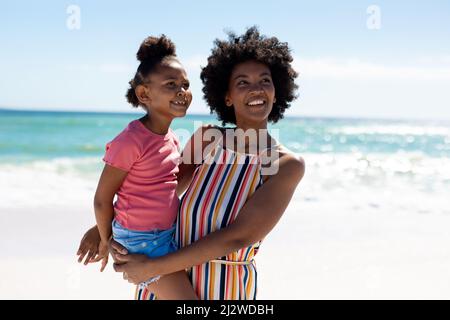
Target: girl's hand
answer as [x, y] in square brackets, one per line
[136, 268]
[89, 245]
[91, 248]
[103, 254]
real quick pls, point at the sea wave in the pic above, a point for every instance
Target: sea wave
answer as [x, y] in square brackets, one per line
[413, 181]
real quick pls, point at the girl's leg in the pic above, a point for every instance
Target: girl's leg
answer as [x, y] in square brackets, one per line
[174, 286]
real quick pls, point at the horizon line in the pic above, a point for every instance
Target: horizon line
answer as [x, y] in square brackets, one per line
[330, 117]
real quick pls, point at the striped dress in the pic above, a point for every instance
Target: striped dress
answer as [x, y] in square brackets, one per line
[220, 187]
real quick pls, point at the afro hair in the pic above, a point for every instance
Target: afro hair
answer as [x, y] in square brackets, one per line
[237, 49]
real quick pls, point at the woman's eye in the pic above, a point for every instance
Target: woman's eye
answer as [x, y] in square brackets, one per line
[186, 85]
[171, 84]
[267, 80]
[242, 82]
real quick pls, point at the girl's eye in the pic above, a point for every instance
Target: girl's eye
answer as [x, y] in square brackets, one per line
[186, 85]
[242, 82]
[266, 80]
[171, 84]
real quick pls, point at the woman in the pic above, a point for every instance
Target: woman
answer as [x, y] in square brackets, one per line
[235, 195]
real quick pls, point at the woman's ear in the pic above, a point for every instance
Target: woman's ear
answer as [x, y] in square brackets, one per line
[228, 101]
[142, 94]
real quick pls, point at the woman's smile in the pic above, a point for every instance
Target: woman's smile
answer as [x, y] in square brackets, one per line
[256, 103]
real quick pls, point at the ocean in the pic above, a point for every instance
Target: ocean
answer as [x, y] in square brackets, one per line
[409, 158]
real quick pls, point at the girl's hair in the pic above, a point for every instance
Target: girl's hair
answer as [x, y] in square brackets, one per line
[153, 50]
[249, 46]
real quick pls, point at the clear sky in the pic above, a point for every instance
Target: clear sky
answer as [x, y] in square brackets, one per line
[354, 61]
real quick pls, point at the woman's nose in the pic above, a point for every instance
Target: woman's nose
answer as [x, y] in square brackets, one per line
[256, 88]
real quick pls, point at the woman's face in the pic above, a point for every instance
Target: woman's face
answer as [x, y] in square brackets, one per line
[251, 92]
[168, 89]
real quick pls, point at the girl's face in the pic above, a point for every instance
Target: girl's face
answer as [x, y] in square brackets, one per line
[168, 90]
[251, 92]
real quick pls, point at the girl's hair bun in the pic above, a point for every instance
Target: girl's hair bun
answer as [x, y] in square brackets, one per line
[155, 48]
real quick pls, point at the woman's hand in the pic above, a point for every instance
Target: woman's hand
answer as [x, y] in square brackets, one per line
[116, 249]
[136, 268]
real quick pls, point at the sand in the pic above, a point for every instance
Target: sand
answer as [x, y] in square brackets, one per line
[328, 245]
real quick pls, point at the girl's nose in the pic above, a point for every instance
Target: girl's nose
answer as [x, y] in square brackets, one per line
[182, 92]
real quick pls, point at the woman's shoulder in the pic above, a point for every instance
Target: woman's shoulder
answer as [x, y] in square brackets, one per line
[283, 160]
[287, 153]
[292, 165]
[288, 156]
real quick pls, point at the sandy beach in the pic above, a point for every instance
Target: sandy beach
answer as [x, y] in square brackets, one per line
[327, 246]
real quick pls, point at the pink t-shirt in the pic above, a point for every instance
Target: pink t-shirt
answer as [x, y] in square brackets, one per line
[147, 199]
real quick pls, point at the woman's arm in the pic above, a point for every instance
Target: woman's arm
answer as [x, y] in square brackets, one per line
[254, 221]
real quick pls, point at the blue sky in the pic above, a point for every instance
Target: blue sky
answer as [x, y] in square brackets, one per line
[401, 70]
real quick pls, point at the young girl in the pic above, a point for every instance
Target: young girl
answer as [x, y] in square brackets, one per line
[141, 165]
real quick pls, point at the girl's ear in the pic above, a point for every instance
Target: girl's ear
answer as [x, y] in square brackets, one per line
[142, 94]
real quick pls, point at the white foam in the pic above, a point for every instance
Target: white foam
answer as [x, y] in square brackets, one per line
[55, 182]
[397, 129]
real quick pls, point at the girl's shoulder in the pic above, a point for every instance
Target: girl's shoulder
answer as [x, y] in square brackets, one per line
[130, 133]
[128, 140]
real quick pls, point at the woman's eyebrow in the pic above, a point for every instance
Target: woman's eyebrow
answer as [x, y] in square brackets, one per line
[240, 76]
[245, 76]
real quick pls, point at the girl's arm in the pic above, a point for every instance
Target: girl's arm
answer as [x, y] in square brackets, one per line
[191, 157]
[110, 181]
[94, 243]
[254, 221]
[184, 177]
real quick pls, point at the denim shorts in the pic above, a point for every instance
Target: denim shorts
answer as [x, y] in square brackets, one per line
[154, 244]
